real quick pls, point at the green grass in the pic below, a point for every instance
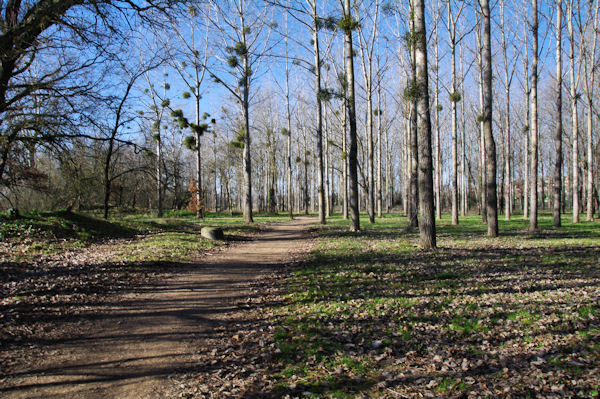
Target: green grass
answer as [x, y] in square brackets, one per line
[174, 237]
[374, 298]
[58, 225]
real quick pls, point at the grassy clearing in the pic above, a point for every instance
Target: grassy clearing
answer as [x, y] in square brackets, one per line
[371, 315]
[144, 237]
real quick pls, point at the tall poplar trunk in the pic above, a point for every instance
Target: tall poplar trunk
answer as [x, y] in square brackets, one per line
[350, 100]
[574, 120]
[590, 74]
[247, 165]
[326, 171]
[427, 223]
[305, 166]
[482, 144]
[320, 174]
[367, 50]
[407, 165]
[413, 197]
[465, 180]
[507, 159]
[200, 207]
[379, 150]
[491, 196]
[438, 158]
[526, 128]
[507, 153]
[533, 198]
[454, 98]
[290, 195]
[159, 201]
[218, 199]
[370, 157]
[389, 174]
[345, 159]
[246, 159]
[589, 164]
[557, 180]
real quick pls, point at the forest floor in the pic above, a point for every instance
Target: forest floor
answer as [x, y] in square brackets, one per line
[345, 315]
[370, 315]
[98, 320]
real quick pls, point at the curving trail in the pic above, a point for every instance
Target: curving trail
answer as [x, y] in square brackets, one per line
[143, 338]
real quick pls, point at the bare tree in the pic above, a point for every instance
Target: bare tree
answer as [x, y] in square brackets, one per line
[533, 134]
[367, 47]
[288, 132]
[241, 39]
[490, 145]
[121, 119]
[509, 71]
[378, 113]
[589, 61]
[574, 118]
[159, 106]
[482, 137]
[413, 147]
[319, 95]
[307, 15]
[427, 223]
[348, 24]
[188, 63]
[51, 49]
[464, 178]
[438, 108]
[455, 97]
[526, 128]
[558, 158]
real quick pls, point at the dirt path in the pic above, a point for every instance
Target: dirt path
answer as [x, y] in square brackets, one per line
[143, 338]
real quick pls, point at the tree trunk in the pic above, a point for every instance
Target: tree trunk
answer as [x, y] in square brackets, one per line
[199, 211]
[557, 180]
[389, 174]
[533, 198]
[574, 120]
[327, 194]
[427, 223]
[352, 156]
[407, 165]
[159, 210]
[370, 155]
[507, 154]
[319, 136]
[438, 158]
[290, 195]
[482, 144]
[590, 74]
[345, 159]
[246, 153]
[380, 145]
[465, 180]
[305, 165]
[491, 198]
[453, 101]
[526, 129]
[590, 163]
[218, 198]
[107, 180]
[413, 197]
